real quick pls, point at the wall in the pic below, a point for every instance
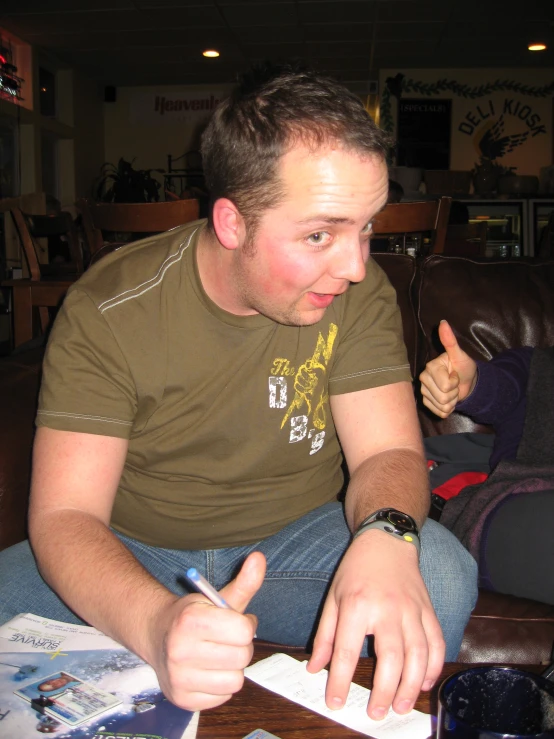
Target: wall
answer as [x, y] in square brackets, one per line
[148, 123]
[88, 114]
[513, 107]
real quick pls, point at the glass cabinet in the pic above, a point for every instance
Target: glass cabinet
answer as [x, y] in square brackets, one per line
[539, 213]
[507, 229]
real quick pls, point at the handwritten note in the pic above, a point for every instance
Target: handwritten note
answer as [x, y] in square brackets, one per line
[288, 677]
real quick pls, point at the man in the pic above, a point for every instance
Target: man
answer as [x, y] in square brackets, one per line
[196, 386]
[497, 520]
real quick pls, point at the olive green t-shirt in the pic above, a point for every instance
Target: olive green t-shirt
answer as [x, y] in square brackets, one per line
[230, 432]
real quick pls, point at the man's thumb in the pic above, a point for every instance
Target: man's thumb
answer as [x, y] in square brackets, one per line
[450, 343]
[240, 591]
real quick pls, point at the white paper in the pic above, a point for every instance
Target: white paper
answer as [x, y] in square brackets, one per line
[192, 728]
[288, 677]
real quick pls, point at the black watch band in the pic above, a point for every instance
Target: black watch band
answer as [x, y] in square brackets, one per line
[392, 522]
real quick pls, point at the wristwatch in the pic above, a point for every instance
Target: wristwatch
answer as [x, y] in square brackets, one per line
[392, 522]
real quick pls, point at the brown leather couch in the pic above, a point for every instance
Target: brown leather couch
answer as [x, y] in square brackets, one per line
[492, 305]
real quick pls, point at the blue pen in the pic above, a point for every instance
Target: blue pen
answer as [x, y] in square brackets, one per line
[205, 588]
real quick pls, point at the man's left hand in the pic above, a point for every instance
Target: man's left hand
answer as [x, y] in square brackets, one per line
[378, 589]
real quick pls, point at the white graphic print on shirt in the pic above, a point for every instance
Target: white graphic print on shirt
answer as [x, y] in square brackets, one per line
[310, 392]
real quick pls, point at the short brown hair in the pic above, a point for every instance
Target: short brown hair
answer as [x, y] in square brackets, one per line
[270, 110]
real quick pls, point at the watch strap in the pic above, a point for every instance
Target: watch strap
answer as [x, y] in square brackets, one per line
[385, 526]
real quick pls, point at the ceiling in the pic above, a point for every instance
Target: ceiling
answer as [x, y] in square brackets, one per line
[154, 42]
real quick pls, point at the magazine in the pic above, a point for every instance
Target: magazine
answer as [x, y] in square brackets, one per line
[76, 683]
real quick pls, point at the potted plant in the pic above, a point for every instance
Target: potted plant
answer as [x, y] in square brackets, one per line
[486, 174]
[124, 184]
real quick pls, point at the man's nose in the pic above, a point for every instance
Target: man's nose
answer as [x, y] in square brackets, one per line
[349, 264]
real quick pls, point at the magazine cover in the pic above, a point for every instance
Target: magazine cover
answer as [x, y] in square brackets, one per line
[76, 683]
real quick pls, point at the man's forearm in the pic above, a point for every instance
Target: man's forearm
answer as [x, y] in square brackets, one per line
[395, 478]
[99, 578]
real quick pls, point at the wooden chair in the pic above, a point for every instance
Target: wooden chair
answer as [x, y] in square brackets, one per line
[132, 219]
[29, 294]
[419, 217]
[48, 282]
[31, 228]
[466, 240]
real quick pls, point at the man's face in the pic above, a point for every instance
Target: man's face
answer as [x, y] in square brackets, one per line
[54, 684]
[310, 247]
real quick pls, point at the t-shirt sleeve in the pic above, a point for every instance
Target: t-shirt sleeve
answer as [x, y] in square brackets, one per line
[371, 349]
[86, 385]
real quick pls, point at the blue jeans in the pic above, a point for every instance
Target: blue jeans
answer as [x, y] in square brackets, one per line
[301, 560]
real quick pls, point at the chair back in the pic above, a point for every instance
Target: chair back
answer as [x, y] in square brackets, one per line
[418, 217]
[31, 228]
[466, 240]
[133, 218]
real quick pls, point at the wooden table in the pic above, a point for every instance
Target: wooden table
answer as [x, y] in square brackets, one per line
[28, 294]
[255, 707]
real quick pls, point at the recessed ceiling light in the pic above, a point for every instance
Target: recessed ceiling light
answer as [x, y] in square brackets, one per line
[211, 53]
[537, 47]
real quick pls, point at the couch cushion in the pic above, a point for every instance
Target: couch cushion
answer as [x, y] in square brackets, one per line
[506, 629]
[492, 305]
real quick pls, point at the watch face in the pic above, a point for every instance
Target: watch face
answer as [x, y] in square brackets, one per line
[400, 520]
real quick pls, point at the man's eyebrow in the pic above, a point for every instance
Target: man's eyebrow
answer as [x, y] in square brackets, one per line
[326, 219]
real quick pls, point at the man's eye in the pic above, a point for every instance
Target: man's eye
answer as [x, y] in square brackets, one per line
[367, 229]
[317, 238]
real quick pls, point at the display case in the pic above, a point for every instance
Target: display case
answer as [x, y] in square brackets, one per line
[507, 226]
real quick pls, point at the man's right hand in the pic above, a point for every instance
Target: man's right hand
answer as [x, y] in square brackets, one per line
[449, 378]
[201, 650]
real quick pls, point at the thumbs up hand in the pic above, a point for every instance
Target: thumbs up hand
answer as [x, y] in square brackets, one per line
[449, 378]
[240, 591]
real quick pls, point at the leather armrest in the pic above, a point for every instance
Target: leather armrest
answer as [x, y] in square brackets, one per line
[506, 629]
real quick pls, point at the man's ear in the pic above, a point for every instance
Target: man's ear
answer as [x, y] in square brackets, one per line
[228, 223]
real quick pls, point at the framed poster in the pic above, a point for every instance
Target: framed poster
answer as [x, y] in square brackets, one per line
[424, 127]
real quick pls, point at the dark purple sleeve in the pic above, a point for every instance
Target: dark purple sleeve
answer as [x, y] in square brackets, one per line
[499, 399]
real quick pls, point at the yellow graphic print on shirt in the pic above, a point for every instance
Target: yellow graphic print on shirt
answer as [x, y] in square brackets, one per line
[311, 396]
